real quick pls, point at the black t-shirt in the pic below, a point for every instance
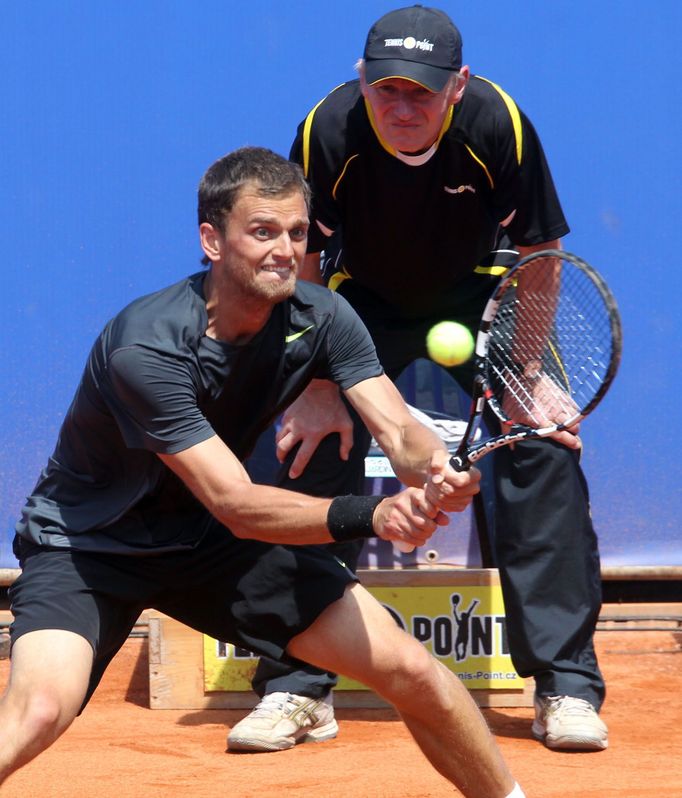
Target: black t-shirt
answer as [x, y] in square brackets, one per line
[154, 383]
[412, 227]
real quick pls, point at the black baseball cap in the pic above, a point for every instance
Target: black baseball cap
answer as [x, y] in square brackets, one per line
[416, 43]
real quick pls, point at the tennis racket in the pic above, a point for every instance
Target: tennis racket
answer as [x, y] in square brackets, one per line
[547, 350]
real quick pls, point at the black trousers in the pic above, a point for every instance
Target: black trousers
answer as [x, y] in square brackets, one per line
[543, 542]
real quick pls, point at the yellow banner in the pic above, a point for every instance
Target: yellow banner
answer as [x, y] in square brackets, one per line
[464, 627]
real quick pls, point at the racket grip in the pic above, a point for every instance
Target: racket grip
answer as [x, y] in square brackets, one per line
[406, 548]
[459, 463]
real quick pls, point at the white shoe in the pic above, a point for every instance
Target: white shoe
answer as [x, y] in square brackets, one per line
[564, 722]
[281, 720]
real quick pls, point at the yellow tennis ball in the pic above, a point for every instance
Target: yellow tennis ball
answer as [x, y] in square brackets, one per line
[449, 343]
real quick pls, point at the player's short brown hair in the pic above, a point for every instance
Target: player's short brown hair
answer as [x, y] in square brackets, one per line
[272, 175]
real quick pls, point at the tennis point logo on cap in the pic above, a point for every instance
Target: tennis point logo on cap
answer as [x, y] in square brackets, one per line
[409, 43]
[415, 43]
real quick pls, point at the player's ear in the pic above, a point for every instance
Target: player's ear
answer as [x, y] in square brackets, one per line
[459, 86]
[360, 67]
[212, 241]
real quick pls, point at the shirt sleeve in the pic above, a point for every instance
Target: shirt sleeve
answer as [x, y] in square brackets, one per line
[524, 185]
[154, 401]
[351, 353]
[316, 159]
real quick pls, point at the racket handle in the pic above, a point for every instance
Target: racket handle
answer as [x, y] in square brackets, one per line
[406, 548]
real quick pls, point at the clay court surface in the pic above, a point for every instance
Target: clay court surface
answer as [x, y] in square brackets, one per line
[120, 748]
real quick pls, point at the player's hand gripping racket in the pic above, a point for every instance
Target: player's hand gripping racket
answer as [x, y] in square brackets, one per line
[547, 350]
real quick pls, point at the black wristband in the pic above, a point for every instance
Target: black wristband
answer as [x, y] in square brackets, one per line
[350, 517]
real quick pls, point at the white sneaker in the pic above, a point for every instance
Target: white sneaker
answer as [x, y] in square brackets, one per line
[562, 721]
[281, 720]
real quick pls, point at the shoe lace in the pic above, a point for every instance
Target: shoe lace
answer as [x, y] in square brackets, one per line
[568, 705]
[274, 702]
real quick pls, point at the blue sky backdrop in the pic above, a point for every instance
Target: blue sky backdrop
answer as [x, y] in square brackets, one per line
[111, 112]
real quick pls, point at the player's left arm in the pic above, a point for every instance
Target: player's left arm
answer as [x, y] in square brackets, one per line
[524, 251]
[546, 393]
[536, 223]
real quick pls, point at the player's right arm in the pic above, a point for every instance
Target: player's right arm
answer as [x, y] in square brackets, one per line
[316, 413]
[274, 515]
[153, 400]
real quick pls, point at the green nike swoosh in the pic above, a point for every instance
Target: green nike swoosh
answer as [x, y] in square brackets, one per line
[294, 336]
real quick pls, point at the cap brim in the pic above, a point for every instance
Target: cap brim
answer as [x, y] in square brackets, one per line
[430, 77]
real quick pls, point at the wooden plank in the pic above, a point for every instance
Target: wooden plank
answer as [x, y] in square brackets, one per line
[429, 577]
[5, 620]
[645, 609]
[8, 576]
[176, 664]
[647, 616]
[366, 699]
[642, 572]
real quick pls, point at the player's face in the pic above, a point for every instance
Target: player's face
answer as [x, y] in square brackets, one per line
[409, 117]
[264, 244]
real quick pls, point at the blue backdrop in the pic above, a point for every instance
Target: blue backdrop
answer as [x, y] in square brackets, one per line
[112, 111]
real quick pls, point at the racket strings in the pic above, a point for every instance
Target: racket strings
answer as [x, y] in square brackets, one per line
[550, 345]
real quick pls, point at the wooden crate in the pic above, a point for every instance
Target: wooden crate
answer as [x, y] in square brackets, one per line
[178, 667]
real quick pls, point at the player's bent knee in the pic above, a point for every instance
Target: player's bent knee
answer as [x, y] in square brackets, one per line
[413, 674]
[44, 715]
[43, 712]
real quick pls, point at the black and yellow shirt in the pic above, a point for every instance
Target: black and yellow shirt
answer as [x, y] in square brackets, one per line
[413, 226]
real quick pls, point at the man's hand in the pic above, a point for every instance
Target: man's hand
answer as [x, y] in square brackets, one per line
[407, 517]
[316, 413]
[448, 489]
[537, 401]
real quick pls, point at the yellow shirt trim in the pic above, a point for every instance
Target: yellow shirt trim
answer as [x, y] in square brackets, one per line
[307, 127]
[513, 113]
[482, 165]
[495, 271]
[343, 172]
[336, 279]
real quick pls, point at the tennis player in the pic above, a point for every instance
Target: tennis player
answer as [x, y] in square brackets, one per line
[145, 502]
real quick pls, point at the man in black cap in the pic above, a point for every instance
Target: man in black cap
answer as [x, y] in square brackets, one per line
[428, 182]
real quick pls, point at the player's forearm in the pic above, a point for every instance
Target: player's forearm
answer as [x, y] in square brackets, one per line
[273, 515]
[533, 328]
[524, 252]
[411, 459]
[261, 512]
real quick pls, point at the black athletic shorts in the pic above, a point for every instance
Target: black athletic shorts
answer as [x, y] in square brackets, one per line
[255, 595]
